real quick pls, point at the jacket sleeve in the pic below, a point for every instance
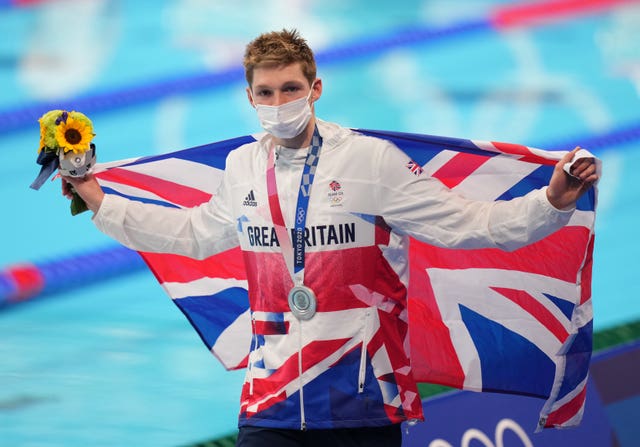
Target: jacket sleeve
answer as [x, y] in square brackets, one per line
[419, 205]
[197, 232]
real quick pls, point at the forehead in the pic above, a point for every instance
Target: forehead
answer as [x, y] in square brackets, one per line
[277, 75]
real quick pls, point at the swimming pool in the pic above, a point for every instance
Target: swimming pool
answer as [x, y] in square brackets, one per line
[114, 363]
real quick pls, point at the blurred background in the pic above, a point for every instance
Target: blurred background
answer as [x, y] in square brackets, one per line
[111, 361]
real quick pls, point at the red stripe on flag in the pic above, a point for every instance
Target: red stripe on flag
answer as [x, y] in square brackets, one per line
[536, 309]
[555, 256]
[531, 13]
[567, 411]
[459, 168]
[585, 283]
[175, 268]
[170, 191]
[524, 152]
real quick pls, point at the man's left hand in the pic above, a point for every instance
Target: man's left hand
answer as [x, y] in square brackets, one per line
[565, 189]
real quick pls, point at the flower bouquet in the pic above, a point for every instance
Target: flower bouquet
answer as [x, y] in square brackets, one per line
[65, 145]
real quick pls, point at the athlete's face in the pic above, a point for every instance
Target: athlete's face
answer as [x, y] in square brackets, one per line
[274, 86]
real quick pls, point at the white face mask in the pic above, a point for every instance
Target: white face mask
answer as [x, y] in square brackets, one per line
[286, 120]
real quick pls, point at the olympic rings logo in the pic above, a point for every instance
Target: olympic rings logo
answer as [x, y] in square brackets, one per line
[301, 214]
[473, 434]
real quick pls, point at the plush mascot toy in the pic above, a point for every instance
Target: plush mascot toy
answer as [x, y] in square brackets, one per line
[65, 144]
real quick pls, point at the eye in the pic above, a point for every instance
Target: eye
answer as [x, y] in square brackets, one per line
[264, 93]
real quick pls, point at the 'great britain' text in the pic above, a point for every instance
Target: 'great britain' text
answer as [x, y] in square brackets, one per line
[313, 236]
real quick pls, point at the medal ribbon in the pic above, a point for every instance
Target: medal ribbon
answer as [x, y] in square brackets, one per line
[293, 250]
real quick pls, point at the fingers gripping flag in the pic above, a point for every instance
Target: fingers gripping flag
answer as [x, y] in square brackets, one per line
[483, 320]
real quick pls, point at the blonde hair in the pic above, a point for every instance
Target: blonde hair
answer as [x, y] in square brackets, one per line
[278, 48]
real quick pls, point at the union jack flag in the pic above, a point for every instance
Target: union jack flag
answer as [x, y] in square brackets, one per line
[484, 320]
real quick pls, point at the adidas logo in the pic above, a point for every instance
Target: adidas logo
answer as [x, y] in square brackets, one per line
[250, 200]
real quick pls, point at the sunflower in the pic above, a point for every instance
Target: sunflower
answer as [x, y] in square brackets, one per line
[74, 132]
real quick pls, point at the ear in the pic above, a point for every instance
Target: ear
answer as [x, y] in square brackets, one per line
[250, 97]
[317, 90]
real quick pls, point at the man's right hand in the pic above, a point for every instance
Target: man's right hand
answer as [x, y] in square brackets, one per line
[87, 188]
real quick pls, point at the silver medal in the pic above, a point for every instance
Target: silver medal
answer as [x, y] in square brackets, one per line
[302, 302]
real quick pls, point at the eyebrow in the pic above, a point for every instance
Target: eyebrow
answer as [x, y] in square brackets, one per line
[285, 85]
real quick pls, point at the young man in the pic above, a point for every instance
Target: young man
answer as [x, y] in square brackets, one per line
[329, 361]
